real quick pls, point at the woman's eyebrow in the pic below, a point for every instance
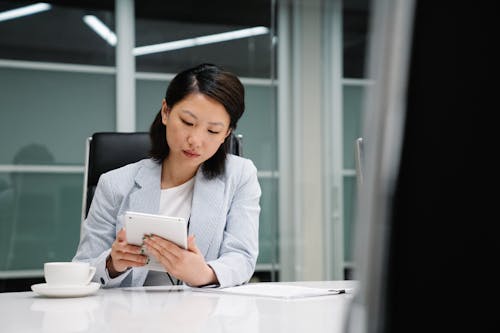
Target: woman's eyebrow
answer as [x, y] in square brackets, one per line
[189, 113]
[213, 123]
[216, 123]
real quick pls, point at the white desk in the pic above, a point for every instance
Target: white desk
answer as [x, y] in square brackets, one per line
[120, 310]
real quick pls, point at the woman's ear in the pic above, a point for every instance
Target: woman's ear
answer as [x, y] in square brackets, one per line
[164, 112]
[229, 131]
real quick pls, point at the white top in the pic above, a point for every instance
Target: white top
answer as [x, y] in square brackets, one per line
[174, 201]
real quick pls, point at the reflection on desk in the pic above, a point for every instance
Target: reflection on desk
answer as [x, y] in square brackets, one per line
[141, 310]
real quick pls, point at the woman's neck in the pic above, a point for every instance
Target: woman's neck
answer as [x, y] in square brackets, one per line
[174, 175]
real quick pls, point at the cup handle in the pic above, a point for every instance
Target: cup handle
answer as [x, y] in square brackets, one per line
[91, 274]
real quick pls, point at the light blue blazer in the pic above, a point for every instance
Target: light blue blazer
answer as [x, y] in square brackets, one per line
[224, 218]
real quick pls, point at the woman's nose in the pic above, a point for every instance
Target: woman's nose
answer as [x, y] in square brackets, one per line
[194, 139]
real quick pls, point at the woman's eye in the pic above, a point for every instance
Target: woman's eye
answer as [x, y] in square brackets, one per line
[187, 122]
[213, 132]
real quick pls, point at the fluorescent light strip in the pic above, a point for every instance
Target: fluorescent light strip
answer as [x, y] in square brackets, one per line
[24, 11]
[101, 29]
[203, 40]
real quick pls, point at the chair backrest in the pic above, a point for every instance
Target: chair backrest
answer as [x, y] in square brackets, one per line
[236, 144]
[106, 151]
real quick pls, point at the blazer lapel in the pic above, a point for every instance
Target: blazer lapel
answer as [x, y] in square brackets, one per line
[146, 197]
[206, 210]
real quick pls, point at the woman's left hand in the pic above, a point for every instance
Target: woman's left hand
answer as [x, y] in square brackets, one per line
[186, 265]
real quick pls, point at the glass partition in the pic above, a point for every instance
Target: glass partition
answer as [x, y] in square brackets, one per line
[40, 218]
[47, 114]
[57, 88]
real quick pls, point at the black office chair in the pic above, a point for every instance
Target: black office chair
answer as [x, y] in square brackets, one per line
[106, 151]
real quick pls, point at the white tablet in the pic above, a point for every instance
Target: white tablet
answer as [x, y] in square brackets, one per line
[172, 228]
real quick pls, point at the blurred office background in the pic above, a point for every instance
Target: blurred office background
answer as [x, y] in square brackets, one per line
[302, 64]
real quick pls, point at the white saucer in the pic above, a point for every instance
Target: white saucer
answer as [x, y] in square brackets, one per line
[44, 289]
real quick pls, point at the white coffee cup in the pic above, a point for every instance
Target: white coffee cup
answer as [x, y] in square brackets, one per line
[68, 273]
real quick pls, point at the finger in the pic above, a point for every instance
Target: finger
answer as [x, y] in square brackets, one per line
[121, 261]
[164, 260]
[167, 245]
[125, 247]
[121, 236]
[130, 249]
[139, 258]
[165, 257]
[154, 247]
[129, 263]
[163, 246]
[192, 245]
[119, 250]
[154, 251]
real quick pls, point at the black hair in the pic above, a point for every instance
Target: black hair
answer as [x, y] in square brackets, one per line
[214, 82]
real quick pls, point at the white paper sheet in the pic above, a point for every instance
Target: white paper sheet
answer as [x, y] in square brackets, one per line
[275, 290]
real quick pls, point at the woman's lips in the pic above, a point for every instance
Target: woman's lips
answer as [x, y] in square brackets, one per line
[190, 154]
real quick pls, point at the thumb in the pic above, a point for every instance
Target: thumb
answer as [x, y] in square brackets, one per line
[121, 236]
[192, 244]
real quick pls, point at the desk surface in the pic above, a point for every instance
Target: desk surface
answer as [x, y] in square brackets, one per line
[121, 310]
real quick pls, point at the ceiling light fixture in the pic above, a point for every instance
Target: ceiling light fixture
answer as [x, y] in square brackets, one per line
[203, 40]
[101, 29]
[24, 11]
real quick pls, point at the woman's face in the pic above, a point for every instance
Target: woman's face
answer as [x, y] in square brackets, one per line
[196, 127]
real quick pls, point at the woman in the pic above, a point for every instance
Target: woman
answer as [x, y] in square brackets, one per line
[189, 175]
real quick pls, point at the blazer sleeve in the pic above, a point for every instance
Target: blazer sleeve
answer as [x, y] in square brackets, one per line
[240, 245]
[99, 232]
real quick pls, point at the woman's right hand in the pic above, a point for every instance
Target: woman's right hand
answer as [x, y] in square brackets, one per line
[124, 255]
